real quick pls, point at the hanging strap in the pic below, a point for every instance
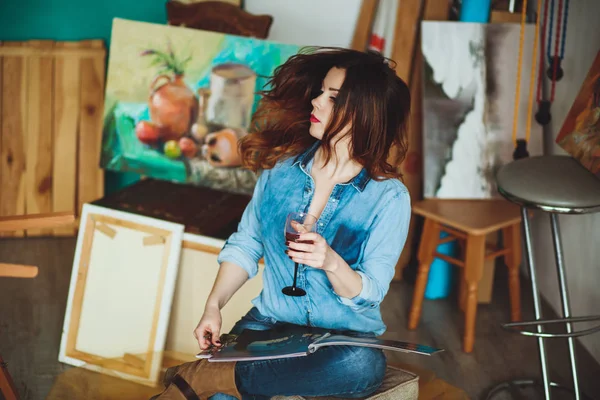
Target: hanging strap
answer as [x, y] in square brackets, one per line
[185, 389]
[542, 45]
[533, 68]
[519, 69]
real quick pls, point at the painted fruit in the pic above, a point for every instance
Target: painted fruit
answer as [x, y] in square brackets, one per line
[188, 147]
[172, 149]
[147, 132]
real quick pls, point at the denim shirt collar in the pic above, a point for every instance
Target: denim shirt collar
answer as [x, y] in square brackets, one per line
[359, 182]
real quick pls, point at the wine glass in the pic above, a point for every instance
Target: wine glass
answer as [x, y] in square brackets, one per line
[295, 224]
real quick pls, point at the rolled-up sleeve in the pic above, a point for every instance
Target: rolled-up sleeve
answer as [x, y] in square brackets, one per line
[382, 250]
[245, 246]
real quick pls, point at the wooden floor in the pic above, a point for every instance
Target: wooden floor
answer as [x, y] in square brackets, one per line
[32, 312]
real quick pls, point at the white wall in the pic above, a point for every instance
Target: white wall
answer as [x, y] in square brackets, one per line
[580, 233]
[309, 22]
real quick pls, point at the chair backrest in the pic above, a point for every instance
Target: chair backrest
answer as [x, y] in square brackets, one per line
[218, 16]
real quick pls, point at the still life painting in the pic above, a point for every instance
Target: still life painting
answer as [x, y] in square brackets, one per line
[179, 99]
[469, 93]
[580, 133]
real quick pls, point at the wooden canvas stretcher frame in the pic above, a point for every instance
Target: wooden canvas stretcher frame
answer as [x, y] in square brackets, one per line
[198, 269]
[141, 368]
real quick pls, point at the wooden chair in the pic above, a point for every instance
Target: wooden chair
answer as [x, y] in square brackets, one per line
[218, 16]
[469, 222]
[8, 390]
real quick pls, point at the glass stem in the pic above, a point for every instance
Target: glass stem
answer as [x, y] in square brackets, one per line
[295, 274]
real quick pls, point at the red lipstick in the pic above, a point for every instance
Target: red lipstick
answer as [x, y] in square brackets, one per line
[313, 118]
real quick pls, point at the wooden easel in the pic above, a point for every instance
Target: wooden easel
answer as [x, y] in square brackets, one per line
[407, 54]
[19, 223]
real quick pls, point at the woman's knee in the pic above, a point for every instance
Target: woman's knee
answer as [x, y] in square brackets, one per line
[364, 368]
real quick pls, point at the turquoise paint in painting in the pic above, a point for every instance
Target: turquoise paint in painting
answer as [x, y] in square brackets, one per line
[261, 56]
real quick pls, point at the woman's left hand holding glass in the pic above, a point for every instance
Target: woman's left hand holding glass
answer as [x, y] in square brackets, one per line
[313, 250]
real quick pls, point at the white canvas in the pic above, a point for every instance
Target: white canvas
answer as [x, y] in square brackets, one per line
[197, 273]
[120, 293]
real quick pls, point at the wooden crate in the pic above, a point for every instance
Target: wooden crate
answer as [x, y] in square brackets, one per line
[51, 107]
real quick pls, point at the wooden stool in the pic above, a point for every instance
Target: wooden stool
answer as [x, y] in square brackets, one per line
[469, 222]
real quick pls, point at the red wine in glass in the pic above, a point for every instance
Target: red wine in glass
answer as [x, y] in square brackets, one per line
[295, 224]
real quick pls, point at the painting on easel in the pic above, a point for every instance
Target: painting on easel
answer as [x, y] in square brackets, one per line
[469, 85]
[179, 99]
[580, 133]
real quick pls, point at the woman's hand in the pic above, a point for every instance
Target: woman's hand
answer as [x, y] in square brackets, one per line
[208, 331]
[313, 250]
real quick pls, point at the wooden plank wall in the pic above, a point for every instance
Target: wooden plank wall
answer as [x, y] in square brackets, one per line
[51, 103]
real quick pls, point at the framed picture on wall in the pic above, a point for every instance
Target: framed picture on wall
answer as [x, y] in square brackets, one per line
[580, 133]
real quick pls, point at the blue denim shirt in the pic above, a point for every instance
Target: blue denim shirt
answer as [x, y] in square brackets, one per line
[365, 221]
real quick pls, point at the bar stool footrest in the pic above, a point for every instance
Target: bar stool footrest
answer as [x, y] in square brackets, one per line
[514, 327]
[513, 384]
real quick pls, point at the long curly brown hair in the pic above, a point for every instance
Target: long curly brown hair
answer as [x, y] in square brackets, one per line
[373, 99]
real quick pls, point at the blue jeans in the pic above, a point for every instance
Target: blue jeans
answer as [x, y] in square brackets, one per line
[341, 371]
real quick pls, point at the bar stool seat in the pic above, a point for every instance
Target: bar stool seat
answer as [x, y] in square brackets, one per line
[557, 185]
[552, 183]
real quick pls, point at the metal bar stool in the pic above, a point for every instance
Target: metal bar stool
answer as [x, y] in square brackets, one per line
[556, 185]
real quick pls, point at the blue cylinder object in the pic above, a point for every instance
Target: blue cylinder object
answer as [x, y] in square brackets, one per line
[475, 11]
[439, 282]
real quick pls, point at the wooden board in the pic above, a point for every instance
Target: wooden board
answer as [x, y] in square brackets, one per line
[51, 104]
[408, 19]
[90, 178]
[120, 295]
[13, 136]
[364, 24]
[38, 157]
[66, 128]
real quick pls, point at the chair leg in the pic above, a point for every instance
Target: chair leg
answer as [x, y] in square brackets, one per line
[427, 247]
[537, 303]
[462, 291]
[462, 286]
[474, 262]
[564, 296]
[512, 241]
[8, 390]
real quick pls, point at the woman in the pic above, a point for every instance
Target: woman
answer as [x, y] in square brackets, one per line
[322, 136]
